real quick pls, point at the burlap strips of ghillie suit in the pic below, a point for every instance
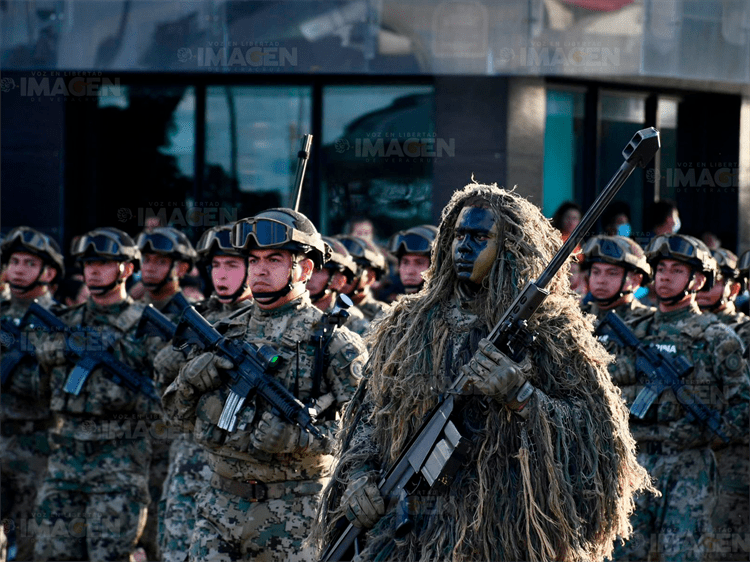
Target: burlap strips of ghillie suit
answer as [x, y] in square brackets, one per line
[556, 486]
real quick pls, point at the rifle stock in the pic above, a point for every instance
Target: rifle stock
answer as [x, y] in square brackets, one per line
[434, 448]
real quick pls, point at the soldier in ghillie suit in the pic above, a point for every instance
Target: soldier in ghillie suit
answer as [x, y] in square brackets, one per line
[550, 475]
[677, 449]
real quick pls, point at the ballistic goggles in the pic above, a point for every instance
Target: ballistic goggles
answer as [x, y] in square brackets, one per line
[727, 263]
[744, 264]
[363, 255]
[103, 244]
[674, 246]
[217, 240]
[166, 241]
[24, 238]
[409, 243]
[269, 233]
[159, 243]
[340, 258]
[617, 251]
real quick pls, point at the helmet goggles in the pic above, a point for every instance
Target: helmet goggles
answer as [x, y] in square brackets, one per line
[603, 248]
[159, 243]
[103, 244]
[668, 245]
[220, 238]
[266, 232]
[409, 243]
[30, 238]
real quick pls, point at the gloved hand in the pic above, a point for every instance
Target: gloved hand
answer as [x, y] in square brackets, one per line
[50, 352]
[493, 373]
[274, 435]
[202, 372]
[363, 502]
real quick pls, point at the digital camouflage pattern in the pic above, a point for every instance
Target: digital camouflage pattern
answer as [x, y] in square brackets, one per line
[371, 308]
[732, 513]
[295, 477]
[676, 450]
[628, 312]
[555, 484]
[189, 473]
[160, 455]
[24, 420]
[93, 500]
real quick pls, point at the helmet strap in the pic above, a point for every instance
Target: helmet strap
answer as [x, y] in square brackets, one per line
[169, 276]
[618, 294]
[34, 284]
[681, 295]
[105, 289]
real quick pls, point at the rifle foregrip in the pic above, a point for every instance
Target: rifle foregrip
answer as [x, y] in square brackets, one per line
[288, 406]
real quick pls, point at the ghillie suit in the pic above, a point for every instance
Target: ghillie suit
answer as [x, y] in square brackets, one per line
[557, 485]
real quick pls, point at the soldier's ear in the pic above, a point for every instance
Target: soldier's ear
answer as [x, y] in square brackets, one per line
[128, 269]
[307, 266]
[698, 281]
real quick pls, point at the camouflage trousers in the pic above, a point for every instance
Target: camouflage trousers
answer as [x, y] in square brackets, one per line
[188, 475]
[156, 477]
[230, 528]
[731, 517]
[677, 526]
[24, 461]
[93, 501]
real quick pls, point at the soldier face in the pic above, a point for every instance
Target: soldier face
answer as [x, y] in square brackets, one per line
[154, 268]
[227, 275]
[410, 268]
[24, 268]
[706, 299]
[475, 244]
[672, 276]
[271, 270]
[605, 280]
[100, 273]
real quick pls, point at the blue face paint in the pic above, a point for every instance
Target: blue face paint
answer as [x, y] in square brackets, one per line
[475, 244]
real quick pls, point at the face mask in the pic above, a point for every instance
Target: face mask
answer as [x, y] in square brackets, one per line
[677, 226]
[624, 230]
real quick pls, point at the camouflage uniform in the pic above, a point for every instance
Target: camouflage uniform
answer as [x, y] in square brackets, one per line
[373, 309]
[732, 514]
[160, 454]
[677, 451]
[628, 312]
[261, 505]
[93, 501]
[26, 418]
[189, 473]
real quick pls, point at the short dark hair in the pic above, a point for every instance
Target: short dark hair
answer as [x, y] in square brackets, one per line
[557, 218]
[659, 212]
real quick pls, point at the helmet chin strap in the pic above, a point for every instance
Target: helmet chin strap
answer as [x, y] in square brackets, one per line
[669, 301]
[274, 296]
[101, 290]
[31, 286]
[414, 288]
[618, 294]
[242, 288]
[325, 291]
[156, 287]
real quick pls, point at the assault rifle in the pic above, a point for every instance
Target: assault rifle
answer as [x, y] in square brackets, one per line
[437, 450]
[323, 334]
[659, 372]
[17, 347]
[92, 350]
[155, 323]
[249, 375]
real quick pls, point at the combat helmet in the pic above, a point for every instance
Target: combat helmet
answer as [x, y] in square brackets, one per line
[340, 259]
[364, 253]
[283, 229]
[217, 241]
[27, 239]
[107, 244]
[688, 250]
[616, 250]
[167, 241]
[415, 240]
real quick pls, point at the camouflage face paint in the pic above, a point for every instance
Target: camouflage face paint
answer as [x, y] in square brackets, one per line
[475, 244]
